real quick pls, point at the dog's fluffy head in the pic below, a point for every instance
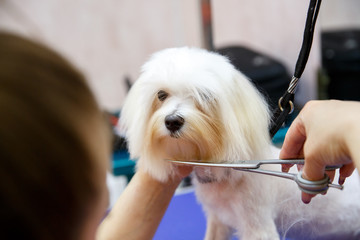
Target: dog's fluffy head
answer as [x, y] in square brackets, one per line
[190, 104]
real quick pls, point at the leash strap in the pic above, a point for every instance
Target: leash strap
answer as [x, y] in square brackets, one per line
[285, 104]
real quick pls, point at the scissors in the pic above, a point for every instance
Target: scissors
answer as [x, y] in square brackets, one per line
[311, 187]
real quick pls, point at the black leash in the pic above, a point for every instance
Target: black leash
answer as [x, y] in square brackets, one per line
[285, 104]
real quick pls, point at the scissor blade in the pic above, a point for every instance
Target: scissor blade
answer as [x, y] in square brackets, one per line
[246, 164]
[223, 165]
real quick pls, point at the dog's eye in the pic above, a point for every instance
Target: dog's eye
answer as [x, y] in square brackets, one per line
[162, 95]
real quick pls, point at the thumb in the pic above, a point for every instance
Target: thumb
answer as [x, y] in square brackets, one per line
[313, 170]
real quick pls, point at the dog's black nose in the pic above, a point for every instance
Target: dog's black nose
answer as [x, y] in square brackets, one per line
[174, 122]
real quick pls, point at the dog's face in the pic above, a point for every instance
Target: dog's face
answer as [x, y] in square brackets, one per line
[185, 123]
[190, 104]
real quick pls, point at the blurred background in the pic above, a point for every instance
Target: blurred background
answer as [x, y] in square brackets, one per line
[109, 40]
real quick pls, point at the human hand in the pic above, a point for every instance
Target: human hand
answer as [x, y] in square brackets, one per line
[323, 133]
[183, 171]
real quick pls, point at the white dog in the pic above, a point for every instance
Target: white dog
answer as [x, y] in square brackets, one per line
[190, 104]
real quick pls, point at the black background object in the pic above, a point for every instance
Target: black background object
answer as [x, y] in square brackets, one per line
[269, 75]
[341, 61]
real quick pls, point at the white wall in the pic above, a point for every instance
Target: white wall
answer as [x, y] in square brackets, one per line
[107, 39]
[110, 39]
[272, 27]
[338, 14]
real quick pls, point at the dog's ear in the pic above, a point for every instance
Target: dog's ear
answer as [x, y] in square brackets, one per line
[248, 118]
[134, 116]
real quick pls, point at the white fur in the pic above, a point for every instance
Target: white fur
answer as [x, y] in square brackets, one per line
[226, 119]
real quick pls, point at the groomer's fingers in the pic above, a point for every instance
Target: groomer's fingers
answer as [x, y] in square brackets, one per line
[293, 144]
[286, 167]
[294, 141]
[314, 171]
[306, 198]
[346, 171]
[331, 174]
[314, 167]
[300, 167]
[183, 171]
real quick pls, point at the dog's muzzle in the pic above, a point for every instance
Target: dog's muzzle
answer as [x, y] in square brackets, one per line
[174, 122]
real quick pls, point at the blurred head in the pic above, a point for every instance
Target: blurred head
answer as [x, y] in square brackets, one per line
[54, 145]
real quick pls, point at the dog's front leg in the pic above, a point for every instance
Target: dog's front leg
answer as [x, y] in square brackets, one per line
[216, 230]
[260, 227]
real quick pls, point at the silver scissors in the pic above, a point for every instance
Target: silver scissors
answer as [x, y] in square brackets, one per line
[311, 187]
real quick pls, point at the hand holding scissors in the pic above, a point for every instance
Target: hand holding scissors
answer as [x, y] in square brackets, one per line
[310, 187]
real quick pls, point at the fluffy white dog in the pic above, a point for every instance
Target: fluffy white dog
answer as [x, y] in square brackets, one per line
[190, 104]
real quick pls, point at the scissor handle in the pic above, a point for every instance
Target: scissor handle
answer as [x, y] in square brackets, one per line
[315, 187]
